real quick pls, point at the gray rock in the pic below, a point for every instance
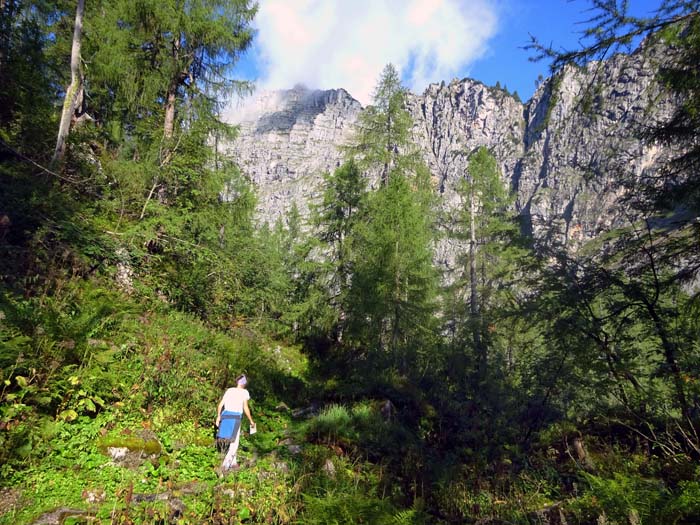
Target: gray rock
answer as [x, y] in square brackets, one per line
[329, 468]
[563, 152]
[552, 515]
[59, 516]
[289, 140]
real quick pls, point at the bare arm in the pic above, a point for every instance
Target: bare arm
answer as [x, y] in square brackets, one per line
[246, 410]
[218, 411]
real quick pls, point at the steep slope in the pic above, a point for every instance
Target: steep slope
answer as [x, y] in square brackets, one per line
[564, 152]
[287, 140]
[582, 145]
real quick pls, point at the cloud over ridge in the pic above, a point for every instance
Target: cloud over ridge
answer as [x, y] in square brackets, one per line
[345, 43]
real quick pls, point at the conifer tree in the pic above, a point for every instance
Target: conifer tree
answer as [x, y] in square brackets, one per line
[383, 130]
[393, 290]
[487, 225]
[342, 208]
[303, 307]
[155, 58]
[29, 72]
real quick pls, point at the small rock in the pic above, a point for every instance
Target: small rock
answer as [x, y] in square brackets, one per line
[329, 468]
[94, 496]
[9, 499]
[294, 449]
[281, 466]
[552, 515]
[59, 516]
[117, 453]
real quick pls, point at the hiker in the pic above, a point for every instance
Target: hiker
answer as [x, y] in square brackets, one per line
[228, 420]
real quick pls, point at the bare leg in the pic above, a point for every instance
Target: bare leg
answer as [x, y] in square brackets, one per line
[230, 459]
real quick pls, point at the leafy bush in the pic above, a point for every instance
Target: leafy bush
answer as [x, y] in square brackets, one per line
[622, 496]
[684, 505]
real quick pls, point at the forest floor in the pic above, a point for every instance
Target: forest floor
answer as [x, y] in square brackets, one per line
[119, 468]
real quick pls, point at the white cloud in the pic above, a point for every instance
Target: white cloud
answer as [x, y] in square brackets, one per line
[346, 43]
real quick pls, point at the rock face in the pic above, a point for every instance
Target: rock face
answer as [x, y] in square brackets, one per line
[563, 152]
[288, 140]
[581, 143]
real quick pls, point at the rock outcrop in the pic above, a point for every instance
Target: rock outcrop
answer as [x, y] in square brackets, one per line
[289, 140]
[564, 152]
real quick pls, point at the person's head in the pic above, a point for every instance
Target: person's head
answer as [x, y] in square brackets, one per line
[241, 381]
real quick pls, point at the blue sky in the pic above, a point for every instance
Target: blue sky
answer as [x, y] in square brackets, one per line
[345, 43]
[555, 22]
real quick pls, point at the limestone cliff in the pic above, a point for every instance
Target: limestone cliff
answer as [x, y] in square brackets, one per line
[287, 140]
[563, 152]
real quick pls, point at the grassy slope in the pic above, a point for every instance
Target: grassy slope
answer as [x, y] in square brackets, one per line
[149, 374]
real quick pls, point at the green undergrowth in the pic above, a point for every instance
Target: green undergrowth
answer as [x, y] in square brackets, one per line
[89, 373]
[87, 370]
[80, 475]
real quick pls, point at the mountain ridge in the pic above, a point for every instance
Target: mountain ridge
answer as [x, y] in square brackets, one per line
[563, 152]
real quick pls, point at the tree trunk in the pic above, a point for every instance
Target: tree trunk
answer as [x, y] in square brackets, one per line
[390, 148]
[473, 282]
[397, 313]
[171, 96]
[169, 126]
[582, 456]
[76, 85]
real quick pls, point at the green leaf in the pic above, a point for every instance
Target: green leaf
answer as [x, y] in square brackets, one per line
[21, 381]
[68, 415]
[106, 357]
[244, 513]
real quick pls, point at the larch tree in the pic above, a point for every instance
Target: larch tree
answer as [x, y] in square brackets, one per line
[486, 224]
[383, 129]
[392, 297]
[158, 57]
